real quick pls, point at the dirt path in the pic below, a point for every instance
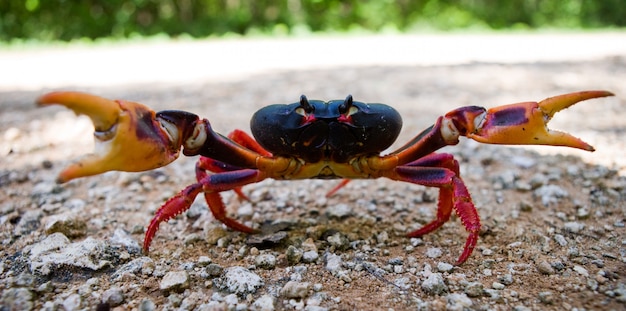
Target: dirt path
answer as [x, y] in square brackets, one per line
[567, 253]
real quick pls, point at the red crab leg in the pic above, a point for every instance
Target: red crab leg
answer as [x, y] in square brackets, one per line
[211, 185]
[442, 171]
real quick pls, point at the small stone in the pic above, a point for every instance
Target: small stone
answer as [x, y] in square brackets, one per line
[559, 239]
[214, 270]
[264, 303]
[382, 237]
[506, 279]
[192, 238]
[310, 256]
[333, 262]
[497, 285]
[339, 211]
[444, 267]
[474, 289]
[122, 238]
[142, 265]
[545, 268]
[582, 271]
[17, 299]
[239, 280]
[265, 261]
[113, 296]
[294, 255]
[550, 194]
[309, 245]
[458, 302]
[175, 281]
[204, 261]
[434, 284]
[72, 302]
[434, 252]
[339, 241]
[297, 290]
[573, 226]
[68, 223]
[214, 233]
[546, 297]
[147, 305]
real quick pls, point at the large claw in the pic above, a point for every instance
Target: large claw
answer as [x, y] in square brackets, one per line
[522, 123]
[128, 135]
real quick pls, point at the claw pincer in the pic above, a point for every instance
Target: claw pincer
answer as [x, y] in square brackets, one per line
[522, 123]
[127, 135]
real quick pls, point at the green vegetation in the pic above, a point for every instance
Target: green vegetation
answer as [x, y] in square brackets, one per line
[65, 20]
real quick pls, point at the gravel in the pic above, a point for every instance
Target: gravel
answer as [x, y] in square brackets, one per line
[553, 233]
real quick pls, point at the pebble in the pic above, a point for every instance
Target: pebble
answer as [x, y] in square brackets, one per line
[113, 296]
[473, 289]
[144, 265]
[339, 211]
[434, 284]
[174, 281]
[293, 254]
[497, 285]
[444, 267]
[573, 226]
[214, 270]
[339, 241]
[67, 223]
[265, 261]
[122, 238]
[550, 194]
[239, 280]
[546, 297]
[434, 252]
[582, 271]
[17, 299]
[333, 263]
[458, 302]
[264, 303]
[310, 256]
[29, 222]
[560, 239]
[295, 289]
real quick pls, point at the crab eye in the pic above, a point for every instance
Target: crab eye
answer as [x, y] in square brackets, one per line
[301, 111]
[346, 107]
[305, 106]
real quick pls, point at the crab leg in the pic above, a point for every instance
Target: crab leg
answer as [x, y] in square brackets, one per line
[211, 186]
[442, 171]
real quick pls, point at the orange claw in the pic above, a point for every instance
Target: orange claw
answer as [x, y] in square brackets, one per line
[522, 123]
[128, 136]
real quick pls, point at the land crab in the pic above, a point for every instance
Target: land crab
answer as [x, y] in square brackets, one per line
[338, 139]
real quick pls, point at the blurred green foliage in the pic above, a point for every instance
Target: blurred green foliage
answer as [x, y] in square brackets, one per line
[67, 20]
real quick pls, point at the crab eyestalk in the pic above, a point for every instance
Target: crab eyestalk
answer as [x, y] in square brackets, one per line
[128, 136]
[522, 123]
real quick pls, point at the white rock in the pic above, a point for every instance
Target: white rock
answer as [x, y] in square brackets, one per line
[239, 280]
[434, 284]
[264, 303]
[175, 281]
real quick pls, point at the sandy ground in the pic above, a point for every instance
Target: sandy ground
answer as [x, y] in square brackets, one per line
[553, 218]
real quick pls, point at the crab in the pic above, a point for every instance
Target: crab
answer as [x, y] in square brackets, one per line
[337, 139]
